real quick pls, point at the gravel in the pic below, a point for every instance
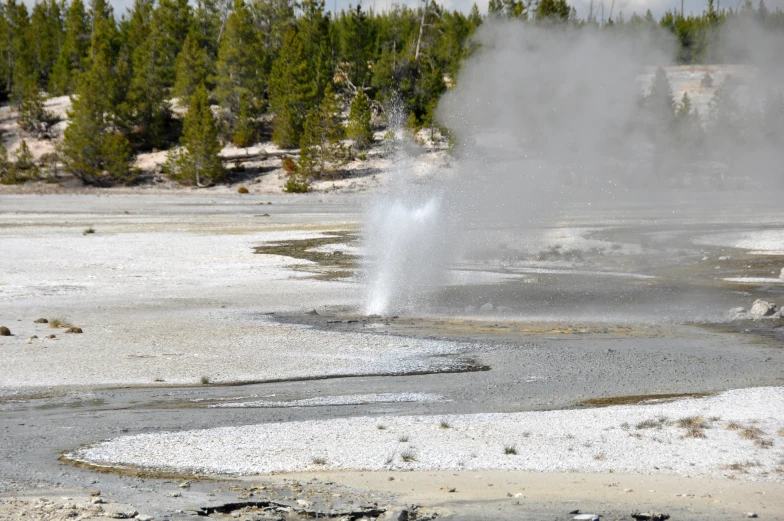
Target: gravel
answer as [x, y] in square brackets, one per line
[617, 439]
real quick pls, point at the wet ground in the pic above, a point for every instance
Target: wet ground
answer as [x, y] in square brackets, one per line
[569, 327]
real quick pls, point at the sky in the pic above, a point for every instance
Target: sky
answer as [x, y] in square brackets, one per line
[658, 7]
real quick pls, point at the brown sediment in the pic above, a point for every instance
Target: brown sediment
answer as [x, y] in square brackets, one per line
[331, 265]
[639, 399]
[132, 471]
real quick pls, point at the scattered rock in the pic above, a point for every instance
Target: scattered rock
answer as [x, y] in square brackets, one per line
[51, 336]
[185, 484]
[97, 501]
[41, 321]
[587, 517]
[650, 516]
[398, 514]
[725, 257]
[95, 493]
[761, 308]
[242, 190]
[119, 512]
[174, 494]
[76, 330]
[30, 340]
[142, 517]
[4, 331]
[486, 307]
[751, 514]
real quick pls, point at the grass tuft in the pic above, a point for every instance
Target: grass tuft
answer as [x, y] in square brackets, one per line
[57, 322]
[763, 444]
[733, 426]
[600, 457]
[381, 427]
[751, 433]
[89, 231]
[318, 460]
[204, 380]
[510, 450]
[403, 439]
[444, 424]
[408, 455]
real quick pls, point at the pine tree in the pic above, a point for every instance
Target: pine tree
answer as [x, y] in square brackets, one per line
[659, 102]
[46, 26]
[74, 50]
[244, 127]
[293, 90]
[197, 161]
[7, 173]
[93, 149]
[30, 103]
[145, 108]
[25, 166]
[193, 68]
[239, 66]
[359, 117]
[321, 151]
[170, 24]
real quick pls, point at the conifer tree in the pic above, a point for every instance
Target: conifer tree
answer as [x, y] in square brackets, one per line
[293, 91]
[25, 166]
[321, 151]
[171, 23]
[46, 26]
[359, 117]
[197, 161]
[93, 148]
[239, 66]
[244, 128]
[74, 50]
[145, 108]
[30, 103]
[192, 68]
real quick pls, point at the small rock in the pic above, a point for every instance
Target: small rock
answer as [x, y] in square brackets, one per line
[41, 321]
[751, 514]
[95, 493]
[4, 331]
[142, 517]
[185, 484]
[119, 512]
[725, 257]
[174, 494]
[51, 336]
[486, 307]
[399, 514]
[587, 517]
[650, 516]
[97, 501]
[75, 330]
[761, 308]
[628, 490]
[30, 340]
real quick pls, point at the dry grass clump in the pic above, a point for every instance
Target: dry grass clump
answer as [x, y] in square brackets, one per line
[58, 322]
[408, 455]
[763, 444]
[510, 450]
[242, 190]
[741, 467]
[600, 457]
[695, 426]
[444, 424]
[318, 460]
[653, 423]
[780, 432]
[381, 427]
[403, 439]
[733, 426]
[751, 433]
[205, 380]
[89, 231]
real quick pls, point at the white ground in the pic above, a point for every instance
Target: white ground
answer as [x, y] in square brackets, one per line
[591, 440]
[760, 242]
[350, 399]
[149, 293]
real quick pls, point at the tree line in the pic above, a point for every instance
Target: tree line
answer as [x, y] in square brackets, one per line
[253, 69]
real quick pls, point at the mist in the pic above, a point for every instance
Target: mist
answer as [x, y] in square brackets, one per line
[554, 123]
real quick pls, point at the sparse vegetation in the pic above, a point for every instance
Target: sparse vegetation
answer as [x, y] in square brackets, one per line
[205, 380]
[510, 450]
[444, 424]
[318, 460]
[733, 426]
[751, 433]
[653, 423]
[242, 190]
[403, 439]
[695, 426]
[741, 467]
[408, 455]
[381, 427]
[59, 322]
[600, 457]
[763, 444]
[89, 231]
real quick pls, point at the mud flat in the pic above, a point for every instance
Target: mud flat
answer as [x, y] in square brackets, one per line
[198, 312]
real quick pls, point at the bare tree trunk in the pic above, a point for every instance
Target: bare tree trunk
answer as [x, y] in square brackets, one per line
[421, 30]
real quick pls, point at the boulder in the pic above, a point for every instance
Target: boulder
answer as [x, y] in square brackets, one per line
[4, 331]
[41, 321]
[120, 512]
[76, 330]
[761, 308]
